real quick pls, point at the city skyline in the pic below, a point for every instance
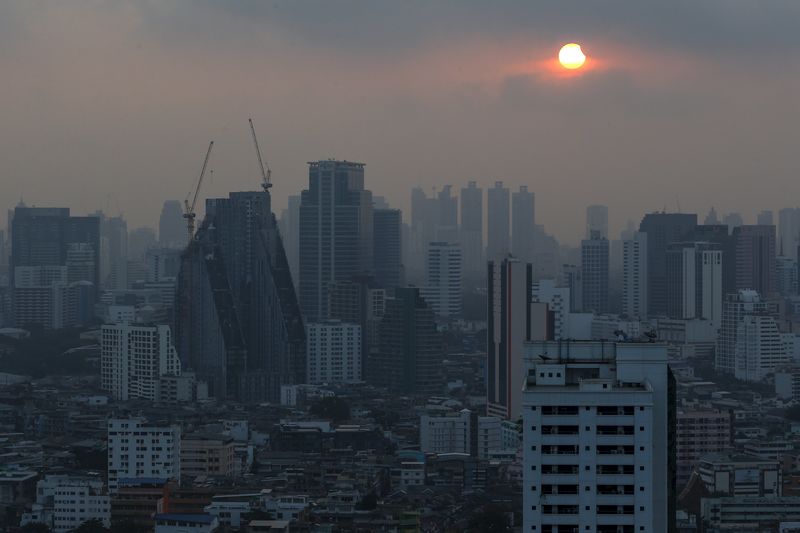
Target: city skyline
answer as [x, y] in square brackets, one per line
[480, 92]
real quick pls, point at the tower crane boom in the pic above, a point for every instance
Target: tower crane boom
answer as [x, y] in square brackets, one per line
[266, 173]
[189, 213]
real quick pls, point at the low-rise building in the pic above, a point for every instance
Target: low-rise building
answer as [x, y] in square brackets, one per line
[207, 455]
[185, 523]
[699, 433]
[465, 433]
[65, 502]
[740, 475]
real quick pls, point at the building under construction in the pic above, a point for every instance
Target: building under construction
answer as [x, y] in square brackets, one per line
[237, 320]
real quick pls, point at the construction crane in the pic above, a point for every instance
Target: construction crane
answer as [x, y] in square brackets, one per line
[189, 213]
[266, 174]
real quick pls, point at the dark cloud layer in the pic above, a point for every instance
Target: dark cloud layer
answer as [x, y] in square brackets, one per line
[113, 103]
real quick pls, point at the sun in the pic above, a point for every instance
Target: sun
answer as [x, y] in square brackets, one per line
[571, 56]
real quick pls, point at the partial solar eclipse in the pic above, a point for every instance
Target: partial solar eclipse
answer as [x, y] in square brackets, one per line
[571, 56]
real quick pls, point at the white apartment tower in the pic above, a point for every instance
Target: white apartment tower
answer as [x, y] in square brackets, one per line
[759, 348]
[133, 358]
[595, 437]
[443, 291]
[138, 450]
[736, 306]
[333, 352]
[634, 276]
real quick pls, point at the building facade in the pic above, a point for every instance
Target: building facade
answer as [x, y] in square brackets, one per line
[137, 450]
[444, 279]
[334, 352]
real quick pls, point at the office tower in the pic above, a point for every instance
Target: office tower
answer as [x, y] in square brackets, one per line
[133, 358]
[334, 352]
[571, 278]
[662, 229]
[597, 425]
[735, 306]
[238, 323]
[171, 225]
[447, 215]
[514, 318]
[597, 221]
[424, 220]
[694, 281]
[409, 355]
[472, 230]
[139, 241]
[765, 218]
[336, 233]
[733, 220]
[634, 276]
[759, 348]
[754, 253]
[114, 253]
[163, 264]
[594, 269]
[522, 224]
[788, 231]
[497, 216]
[359, 302]
[388, 255]
[786, 276]
[289, 226]
[443, 289]
[137, 450]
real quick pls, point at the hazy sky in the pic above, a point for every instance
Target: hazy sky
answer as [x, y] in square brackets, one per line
[111, 104]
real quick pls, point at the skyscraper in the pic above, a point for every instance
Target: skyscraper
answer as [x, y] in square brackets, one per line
[336, 231]
[497, 208]
[523, 216]
[634, 276]
[409, 356]
[662, 229]
[735, 306]
[572, 278]
[788, 231]
[759, 347]
[114, 251]
[447, 215]
[694, 281]
[238, 322]
[765, 218]
[387, 224]
[443, 288]
[755, 258]
[290, 230]
[597, 221]
[171, 226]
[472, 230]
[594, 269]
[514, 318]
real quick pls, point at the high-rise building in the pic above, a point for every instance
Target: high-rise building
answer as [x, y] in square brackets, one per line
[557, 300]
[139, 241]
[759, 347]
[358, 302]
[786, 276]
[694, 281]
[409, 355]
[447, 215]
[472, 230]
[594, 269]
[662, 229]
[755, 258]
[171, 226]
[137, 450]
[387, 224]
[443, 289]
[572, 278]
[597, 221]
[788, 231]
[498, 217]
[597, 425]
[238, 322]
[523, 216]
[336, 232]
[634, 276]
[289, 226]
[513, 319]
[765, 218]
[735, 306]
[334, 352]
[133, 359]
[114, 253]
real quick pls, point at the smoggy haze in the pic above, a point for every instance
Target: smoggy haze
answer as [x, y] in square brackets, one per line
[111, 105]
